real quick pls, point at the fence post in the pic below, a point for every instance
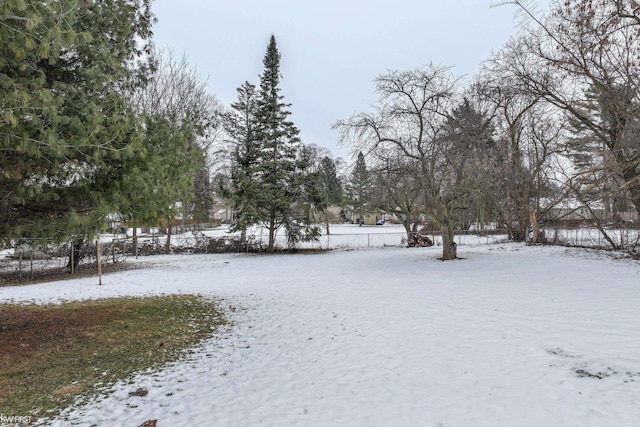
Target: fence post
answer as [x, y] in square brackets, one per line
[99, 259]
[20, 267]
[31, 256]
[71, 257]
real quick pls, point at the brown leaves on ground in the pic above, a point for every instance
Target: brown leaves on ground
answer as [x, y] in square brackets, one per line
[51, 354]
[26, 330]
[141, 392]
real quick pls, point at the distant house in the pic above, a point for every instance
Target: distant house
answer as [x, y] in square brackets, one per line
[224, 216]
[572, 211]
[366, 219]
[568, 211]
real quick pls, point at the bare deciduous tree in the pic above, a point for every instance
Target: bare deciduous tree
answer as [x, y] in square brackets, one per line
[397, 191]
[588, 62]
[408, 121]
[177, 95]
[529, 137]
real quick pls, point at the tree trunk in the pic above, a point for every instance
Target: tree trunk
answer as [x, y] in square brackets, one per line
[327, 222]
[135, 239]
[406, 223]
[518, 231]
[74, 255]
[272, 234]
[449, 246]
[167, 243]
[535, 228]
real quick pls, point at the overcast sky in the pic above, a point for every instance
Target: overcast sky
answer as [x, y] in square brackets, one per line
[331, 50]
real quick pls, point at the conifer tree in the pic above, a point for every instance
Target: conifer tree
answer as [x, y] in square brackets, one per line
[240, 124]
[65, 121]
[329, 189]
[330, 186]
[360, 188]
[267, 176]
[278, 157]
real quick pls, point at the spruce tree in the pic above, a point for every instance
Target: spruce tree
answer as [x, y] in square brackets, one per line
[203, 202]
[329, 190]
[278, 157]
[360, 188]
[241, 123]
[330, 186]
[267, 178]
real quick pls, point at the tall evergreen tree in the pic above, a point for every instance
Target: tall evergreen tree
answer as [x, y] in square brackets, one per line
[279, 153]
[360, 188]
[469, 152]
[330, 186]
[241, 123]
[329, 190]
[267, 176]
[202, 203]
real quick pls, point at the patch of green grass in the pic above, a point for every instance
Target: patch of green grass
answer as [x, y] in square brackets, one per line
[51, 355]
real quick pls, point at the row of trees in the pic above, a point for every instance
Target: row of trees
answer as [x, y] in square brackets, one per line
[554, 115]
[95, 121]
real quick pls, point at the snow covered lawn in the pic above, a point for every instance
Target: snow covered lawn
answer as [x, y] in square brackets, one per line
[509, 336]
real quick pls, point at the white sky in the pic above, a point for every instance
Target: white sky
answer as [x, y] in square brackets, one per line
[331, 50]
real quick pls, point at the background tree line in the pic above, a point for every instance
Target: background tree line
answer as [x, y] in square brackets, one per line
[94, 121]
[552, 116]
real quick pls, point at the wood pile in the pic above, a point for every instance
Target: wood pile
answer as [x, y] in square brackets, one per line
[420, 241]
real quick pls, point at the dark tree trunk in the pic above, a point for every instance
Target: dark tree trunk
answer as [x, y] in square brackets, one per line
[449, 246]
[272, 233]
[75, 254]
[167, 243]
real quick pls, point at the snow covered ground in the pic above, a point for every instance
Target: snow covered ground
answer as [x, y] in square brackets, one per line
[509, 336]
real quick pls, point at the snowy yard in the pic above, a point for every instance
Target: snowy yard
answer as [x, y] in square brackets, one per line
[509, 336]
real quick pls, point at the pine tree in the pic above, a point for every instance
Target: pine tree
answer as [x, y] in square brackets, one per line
[280, 146]
[360, 188]
[330, 186]
[169, 177]
[241, 123]
[65, 122]
[202, 195]
[268, 163]
[469, 143]
[329, 190]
